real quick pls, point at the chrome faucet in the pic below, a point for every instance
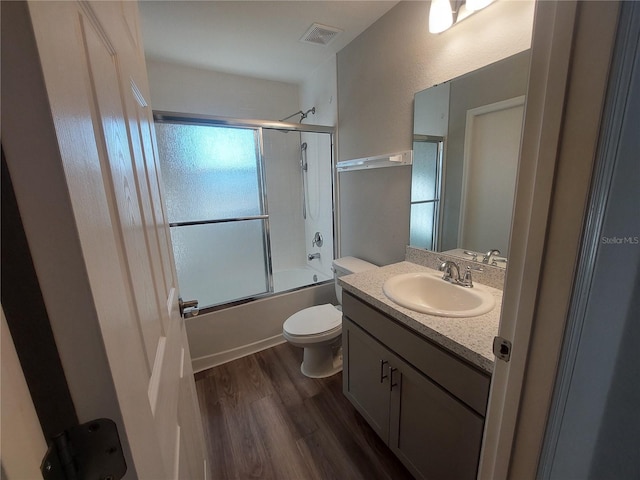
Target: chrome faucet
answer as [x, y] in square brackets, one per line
[452, 274]
[451, 271]
[311, 256]
[498, 259]
[467, 281]
[317, 240]
[487, 256]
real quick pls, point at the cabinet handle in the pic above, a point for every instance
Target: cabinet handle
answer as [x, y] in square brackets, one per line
[382, 374]
[391, 382]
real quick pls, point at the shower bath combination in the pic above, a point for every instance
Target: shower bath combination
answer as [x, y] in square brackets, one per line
[262, 239]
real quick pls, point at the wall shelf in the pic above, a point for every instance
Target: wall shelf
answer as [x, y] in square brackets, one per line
[379, 161]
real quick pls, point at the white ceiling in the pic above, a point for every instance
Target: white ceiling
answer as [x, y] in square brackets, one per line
[253, 38]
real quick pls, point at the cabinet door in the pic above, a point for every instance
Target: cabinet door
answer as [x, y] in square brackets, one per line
[366, 377]
[435, 435]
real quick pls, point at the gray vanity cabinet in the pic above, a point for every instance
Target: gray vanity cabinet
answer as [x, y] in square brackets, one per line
[433, 432]
[367, 385]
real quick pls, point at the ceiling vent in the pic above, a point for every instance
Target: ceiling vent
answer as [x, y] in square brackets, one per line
[320, 34]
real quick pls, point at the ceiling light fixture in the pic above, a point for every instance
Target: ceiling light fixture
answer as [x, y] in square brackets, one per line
[475, 5]
[442, 15]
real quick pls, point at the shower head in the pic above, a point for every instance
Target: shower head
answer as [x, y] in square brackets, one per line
[302, 114]
[303, 146]
[312, 110]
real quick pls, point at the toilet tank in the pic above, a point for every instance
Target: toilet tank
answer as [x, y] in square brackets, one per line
[345, 266]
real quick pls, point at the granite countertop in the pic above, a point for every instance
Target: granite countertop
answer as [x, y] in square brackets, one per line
[470, 338]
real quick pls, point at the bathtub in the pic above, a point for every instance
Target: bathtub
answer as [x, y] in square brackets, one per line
[223, 335]
[284, 280]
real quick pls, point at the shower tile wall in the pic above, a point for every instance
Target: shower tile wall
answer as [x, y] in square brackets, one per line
[284, 191]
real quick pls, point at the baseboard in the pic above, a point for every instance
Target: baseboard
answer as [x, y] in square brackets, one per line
[210, 361]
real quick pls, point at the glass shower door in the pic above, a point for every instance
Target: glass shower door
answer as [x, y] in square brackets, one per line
[214, 190]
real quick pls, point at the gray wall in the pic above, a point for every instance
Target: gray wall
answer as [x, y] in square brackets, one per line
[378, 75]
[375, 222]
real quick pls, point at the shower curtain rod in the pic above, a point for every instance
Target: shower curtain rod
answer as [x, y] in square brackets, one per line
[199, 119]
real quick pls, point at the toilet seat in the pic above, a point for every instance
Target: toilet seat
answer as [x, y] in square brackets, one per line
[327, 333]
[312, 321]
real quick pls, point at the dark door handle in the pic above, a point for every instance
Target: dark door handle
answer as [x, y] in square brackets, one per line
[391, 382]
[382, 374]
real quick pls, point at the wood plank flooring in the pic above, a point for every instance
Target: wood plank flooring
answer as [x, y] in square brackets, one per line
[263, 419]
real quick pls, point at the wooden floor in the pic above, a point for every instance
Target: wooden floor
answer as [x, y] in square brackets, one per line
[264, 419]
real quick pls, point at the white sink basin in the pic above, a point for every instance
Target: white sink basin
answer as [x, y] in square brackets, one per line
[427, 293]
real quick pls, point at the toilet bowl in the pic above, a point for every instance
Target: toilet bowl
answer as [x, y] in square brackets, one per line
[318, 329]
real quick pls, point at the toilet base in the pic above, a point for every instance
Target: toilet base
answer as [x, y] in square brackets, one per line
[321, 362]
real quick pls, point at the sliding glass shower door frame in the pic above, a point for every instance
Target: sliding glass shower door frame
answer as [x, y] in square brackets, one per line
[257, 126]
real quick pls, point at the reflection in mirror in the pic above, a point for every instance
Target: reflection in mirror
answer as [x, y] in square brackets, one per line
[426, 173]
[466, 148]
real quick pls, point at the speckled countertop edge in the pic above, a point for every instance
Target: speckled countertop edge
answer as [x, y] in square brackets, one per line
[470, 338]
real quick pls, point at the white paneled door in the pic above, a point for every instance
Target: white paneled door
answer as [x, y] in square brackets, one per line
[491, 153]
[93, 66]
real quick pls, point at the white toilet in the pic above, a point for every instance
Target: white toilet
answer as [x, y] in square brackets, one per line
[318, 329]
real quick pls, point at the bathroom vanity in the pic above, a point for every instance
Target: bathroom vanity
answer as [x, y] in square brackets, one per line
[420, 381]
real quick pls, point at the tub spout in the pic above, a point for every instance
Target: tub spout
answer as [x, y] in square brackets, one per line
[311, 256]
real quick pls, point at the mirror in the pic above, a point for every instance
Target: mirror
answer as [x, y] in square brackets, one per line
[466, 142]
